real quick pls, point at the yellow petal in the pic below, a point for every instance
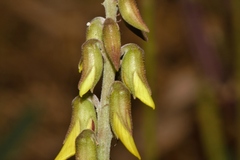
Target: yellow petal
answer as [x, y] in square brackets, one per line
[141, 91]
[125, 136]
[68, 148]
[87, 83]
[80, 66]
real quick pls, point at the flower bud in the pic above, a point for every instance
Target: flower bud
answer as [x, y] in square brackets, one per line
[86, 148]
[133, 73]
[131, 14]
[112, 42]
[120, 116]
[94, 30]
[83, 117]
[91, 65]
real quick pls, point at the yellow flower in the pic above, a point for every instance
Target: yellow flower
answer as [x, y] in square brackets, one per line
[91, 65]
[83, 117]
[120, 116]
[133, 74]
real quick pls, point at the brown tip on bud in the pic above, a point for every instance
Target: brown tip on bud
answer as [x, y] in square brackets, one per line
[112, 42]
[131, 14]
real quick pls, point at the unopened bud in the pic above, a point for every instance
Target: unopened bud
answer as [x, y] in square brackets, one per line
[112, 41]
[95, 27]
[131, 14]
[86, 148]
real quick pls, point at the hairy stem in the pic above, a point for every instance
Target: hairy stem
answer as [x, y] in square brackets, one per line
[110, 9]
[104, 130]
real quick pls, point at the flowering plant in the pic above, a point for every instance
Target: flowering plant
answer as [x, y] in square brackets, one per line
[94, 119]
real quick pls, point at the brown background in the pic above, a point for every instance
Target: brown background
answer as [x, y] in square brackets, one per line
[40, 46]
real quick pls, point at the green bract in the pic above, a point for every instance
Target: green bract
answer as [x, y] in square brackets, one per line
[133, 73]
[91, 64]
[83, 117]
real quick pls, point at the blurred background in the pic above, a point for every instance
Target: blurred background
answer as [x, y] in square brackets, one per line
[192, 62]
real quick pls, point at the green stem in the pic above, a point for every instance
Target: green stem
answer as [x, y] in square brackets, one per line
[110, 9]
[104, 130]
[104, 135]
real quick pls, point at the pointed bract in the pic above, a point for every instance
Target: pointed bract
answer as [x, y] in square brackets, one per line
[91, 65]
[131, 14]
